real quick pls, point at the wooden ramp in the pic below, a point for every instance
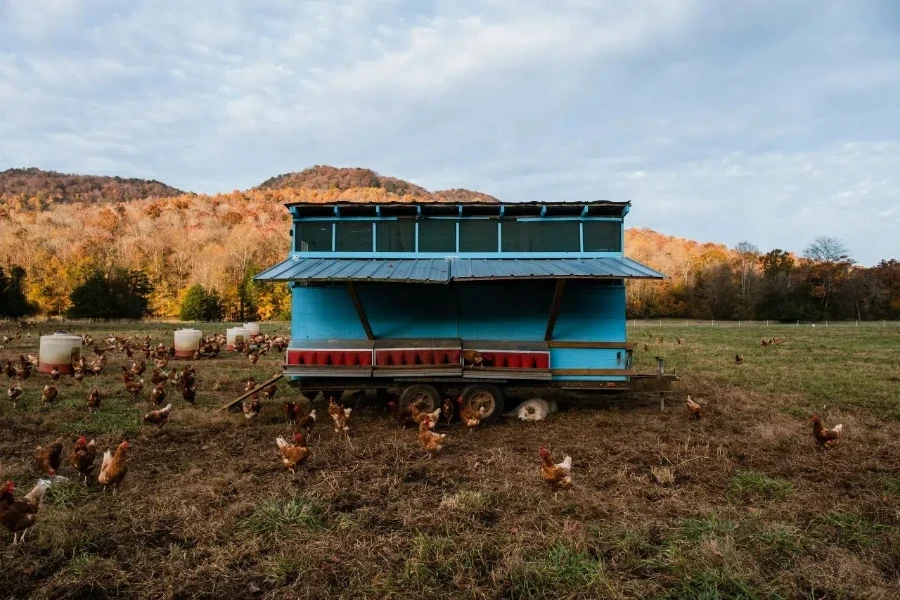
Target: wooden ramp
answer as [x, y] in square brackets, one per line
[253, 391]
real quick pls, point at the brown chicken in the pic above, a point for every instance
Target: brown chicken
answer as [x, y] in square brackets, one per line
[158, 395]
[82, 457]
[189, 394]
[9, 370]
[473, 358]
[269, 391]
[448, 410]
[94, 400]
[738, 359]
[340, 416]
[114, 468]
[47, 459]
[294, 454]
[418, 415]
[252, 407]
[308, 422]
[135, 388]
[431, 442]
[54, 374]
[158, 417]
[127, 375]
[139, 368]
[19, 514]
[557, 476]
[826, 438]
[694, 409]
[403, 415]
[470, 417]
[49, 395]
[293, 412]
[157, 377]
[13, 394]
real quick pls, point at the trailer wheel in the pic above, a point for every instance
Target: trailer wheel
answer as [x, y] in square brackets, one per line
[488, 396]
[425, 397]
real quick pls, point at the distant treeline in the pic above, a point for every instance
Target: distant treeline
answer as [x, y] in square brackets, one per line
[710, 281]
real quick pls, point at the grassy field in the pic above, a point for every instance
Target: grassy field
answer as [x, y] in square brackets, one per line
[738, 505]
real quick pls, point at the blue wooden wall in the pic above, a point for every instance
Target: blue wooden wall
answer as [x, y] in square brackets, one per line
[503, 311]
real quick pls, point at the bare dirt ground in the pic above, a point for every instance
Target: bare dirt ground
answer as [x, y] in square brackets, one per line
[740, 504]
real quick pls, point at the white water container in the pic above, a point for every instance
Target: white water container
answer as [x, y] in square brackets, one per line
[59, 350]
[232, 334]
[253, 328]
[187, 341]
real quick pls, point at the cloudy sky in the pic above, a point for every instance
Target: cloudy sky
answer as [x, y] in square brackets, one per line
[770, 121]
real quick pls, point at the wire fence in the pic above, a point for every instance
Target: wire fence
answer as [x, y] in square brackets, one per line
[646, 323]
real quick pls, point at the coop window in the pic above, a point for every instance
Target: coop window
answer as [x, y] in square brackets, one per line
[312, 237]
[541, 236]
[477, 235]
[353, 236]
[395, 236]
[602, 236]
[437, 235]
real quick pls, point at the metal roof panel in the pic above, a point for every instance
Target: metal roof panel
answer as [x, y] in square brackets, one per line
[441, 270]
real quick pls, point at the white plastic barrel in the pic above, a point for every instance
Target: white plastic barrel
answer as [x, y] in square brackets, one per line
[231, 335]
[253, 328]
[59, 350]
[187, 341]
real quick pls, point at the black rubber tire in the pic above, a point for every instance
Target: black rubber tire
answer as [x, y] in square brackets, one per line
[482, 394]
[426, 397]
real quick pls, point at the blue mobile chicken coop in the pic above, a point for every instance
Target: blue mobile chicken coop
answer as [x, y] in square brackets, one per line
[434, 297]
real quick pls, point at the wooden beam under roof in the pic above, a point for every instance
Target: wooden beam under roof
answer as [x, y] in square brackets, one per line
[554, 308]
[360, 311]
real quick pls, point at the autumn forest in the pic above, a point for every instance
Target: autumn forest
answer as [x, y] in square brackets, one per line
[114, 247]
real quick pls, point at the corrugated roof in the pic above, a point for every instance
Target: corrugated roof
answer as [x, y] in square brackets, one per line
[442, 270]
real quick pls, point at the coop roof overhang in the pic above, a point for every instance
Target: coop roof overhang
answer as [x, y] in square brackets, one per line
[447, 270]
[595, 208]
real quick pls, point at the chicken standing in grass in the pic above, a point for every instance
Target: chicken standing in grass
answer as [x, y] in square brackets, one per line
[114, 467]
[826, 438]
[82, 457]
[308, 422]
[340, 416]
[252, 408]
[694, 409]
[431, 442]
[158, 417]
[294, 454]
[558, 476]
[293, 412]
[158, 395]
[135, 388]
[50, 394]
[47, 459]
[13, 394]
[54, 374]
[470, 417]
[448, 410]
[19, 514]
[738, 359]
[94, 400]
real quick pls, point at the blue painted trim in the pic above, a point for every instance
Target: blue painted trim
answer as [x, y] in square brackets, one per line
[337, 212]
[626, 210]
[499, 237]
[460, 209]
[333, 237]
[502, 210]
[584, 211]
[418, 210]
[332, 219]
[552, 219]
[457, 254]
[581, 237]
[378, 210]
[543, 211]
[374, 238]
[417, 237]
[457, 232]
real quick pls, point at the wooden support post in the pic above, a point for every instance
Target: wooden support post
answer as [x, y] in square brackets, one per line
[360, 311]
[258, 388]
[554, 308]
